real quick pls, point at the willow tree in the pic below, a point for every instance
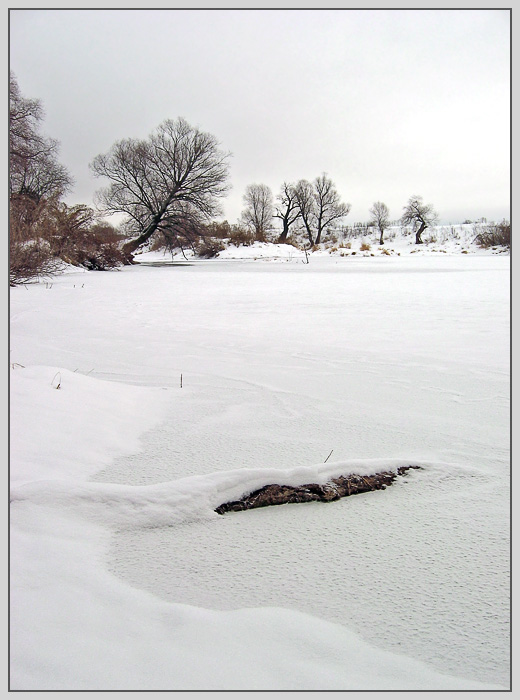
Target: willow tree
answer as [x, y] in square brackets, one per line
[178, 174]
[419, 215]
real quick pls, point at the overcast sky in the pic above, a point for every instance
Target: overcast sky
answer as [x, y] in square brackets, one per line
[389, 103]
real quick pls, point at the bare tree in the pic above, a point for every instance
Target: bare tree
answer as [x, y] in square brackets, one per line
[258, 214]
[419, 215]
[36, 181]
[304, 194]
[286, 209]
[34, 170]
[25, 116]
[380, 218]
[318, 206]
[328, 207]
[176, 173]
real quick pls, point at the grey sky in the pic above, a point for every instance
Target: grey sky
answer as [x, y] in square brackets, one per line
[389, 103]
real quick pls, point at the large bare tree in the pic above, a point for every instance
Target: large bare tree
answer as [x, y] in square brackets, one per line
[258, 214]
[286, 209]
[178, 174]
[319, 205]
[419, 215]
[328, 206]
[380, 218]
[304, 194]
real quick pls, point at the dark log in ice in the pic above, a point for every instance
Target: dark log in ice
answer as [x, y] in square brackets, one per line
[333, 490]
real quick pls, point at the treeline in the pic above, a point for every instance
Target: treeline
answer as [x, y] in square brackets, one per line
[169, 189]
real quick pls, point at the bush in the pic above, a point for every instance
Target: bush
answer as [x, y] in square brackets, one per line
[209, 248]
[97, 248]
[292, 241]
[45, 234]
[495, 235]
[30, 260]
[240, 236]
[364, 246]
[218, 229]
[30, 256]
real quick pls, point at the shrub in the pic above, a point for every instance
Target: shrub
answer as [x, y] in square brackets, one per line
[209, 248]
[292, 241]
[30, 256]
[364, 246]
[494, 235]
[218, 229]
[30, 260]
[240, 236]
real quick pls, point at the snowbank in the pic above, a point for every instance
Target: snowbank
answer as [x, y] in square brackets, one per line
[439, 241]
[76, 627]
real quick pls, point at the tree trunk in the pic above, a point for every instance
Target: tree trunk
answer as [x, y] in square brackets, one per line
[309, 235]
[381, 241]
[283, 236]
[418, 238]
[129, 247]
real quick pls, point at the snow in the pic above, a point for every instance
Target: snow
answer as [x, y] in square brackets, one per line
[122, 575]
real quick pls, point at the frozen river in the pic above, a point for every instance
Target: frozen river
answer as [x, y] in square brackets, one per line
[283, 363]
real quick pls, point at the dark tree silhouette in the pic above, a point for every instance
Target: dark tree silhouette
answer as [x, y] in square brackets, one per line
[286, 209]
[177, 174]
[328, 206]
[419, 215]
[318, 205]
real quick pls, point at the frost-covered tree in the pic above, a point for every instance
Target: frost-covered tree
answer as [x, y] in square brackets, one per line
[178, 174]
[419, 216]
[380, 218]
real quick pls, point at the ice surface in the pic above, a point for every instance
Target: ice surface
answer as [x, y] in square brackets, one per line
[122, 575]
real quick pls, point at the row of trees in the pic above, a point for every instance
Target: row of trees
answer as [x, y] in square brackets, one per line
[416, 214]
[314, 205]
[169, 185]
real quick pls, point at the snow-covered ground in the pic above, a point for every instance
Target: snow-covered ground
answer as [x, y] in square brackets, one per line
[123, 576]
[439, 241]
